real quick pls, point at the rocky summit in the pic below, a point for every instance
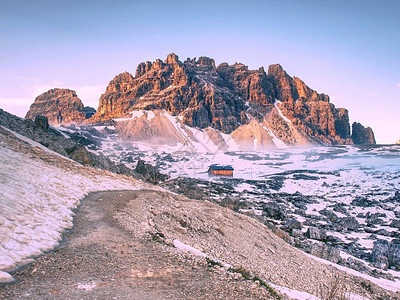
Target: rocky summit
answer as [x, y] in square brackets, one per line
[254, 106]
[227, 97]
[60, 106]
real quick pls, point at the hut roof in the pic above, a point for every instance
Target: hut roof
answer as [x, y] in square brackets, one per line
[219, 167]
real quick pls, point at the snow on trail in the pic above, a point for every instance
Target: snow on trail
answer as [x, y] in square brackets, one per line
[38, 191]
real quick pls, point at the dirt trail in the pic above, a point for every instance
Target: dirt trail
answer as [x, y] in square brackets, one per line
[99, 260]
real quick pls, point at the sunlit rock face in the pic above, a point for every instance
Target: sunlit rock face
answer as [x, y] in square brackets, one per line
[60, 106]
[226, 97]
[254, 105]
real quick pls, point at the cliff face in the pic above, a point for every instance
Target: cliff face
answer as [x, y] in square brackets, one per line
[192, 89]
[226, 97]
[60, 106]
[311, 112]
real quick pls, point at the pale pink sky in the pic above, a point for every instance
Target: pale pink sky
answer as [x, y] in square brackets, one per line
[346, 49]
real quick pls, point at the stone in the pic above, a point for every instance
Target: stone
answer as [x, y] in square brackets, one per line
[149, 172]
[379, 255]
[323, 251]
[386, 254]
[347, 223]
[82, 155]
[395, 223]
[42, 122]
[329, 214]
[274, 211]
[293, 224]
[374, 218]
[316, 234]
[394, 254]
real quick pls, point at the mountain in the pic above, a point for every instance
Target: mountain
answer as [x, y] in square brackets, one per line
[256, 108]
[60, 106]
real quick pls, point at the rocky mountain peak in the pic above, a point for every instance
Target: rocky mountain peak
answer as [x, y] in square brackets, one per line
[60, 106]
[172, 59]
[362, 135]
[143, 68]
[276, 70]
[206, 61]
[157, 65]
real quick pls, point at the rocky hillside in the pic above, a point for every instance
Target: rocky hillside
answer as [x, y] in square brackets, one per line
[72, 144]
[148, 242]
[60, 106]
[228, 97]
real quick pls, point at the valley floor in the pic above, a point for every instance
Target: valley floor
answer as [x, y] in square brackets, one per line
[139, 243]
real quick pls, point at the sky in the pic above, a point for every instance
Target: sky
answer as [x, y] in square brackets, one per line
[347, 49]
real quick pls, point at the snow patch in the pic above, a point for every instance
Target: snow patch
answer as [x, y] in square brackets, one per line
[278, 143]
[294, 294]
[185, 247]
[393, 286]
[86, 286]
[280, 112]
[150, 115]
[5, 277]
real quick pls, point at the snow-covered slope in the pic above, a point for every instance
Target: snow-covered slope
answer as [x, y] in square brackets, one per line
[38, 191]
[160, 128]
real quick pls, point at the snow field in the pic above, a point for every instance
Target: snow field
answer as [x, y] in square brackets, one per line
[37, 199]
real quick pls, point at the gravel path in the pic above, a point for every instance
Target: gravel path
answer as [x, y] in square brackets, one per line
[99, 260]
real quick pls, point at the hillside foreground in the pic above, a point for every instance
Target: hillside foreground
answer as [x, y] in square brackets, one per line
[139, 243]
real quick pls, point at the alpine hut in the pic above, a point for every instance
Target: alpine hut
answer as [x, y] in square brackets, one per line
[218, 170]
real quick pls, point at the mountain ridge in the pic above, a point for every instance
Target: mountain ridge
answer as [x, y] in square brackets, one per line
[229, 98]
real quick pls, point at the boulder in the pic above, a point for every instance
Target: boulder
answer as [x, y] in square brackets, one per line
[316, 234]
[274, 211]
[347, 223]
[42, 122]
[293, 224]
[379, 255]
[149, 172]
[386, 254]
[82, 155]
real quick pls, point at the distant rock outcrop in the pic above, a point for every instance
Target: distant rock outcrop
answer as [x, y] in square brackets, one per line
[89, 111]
[60, 106]
[361, 135]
